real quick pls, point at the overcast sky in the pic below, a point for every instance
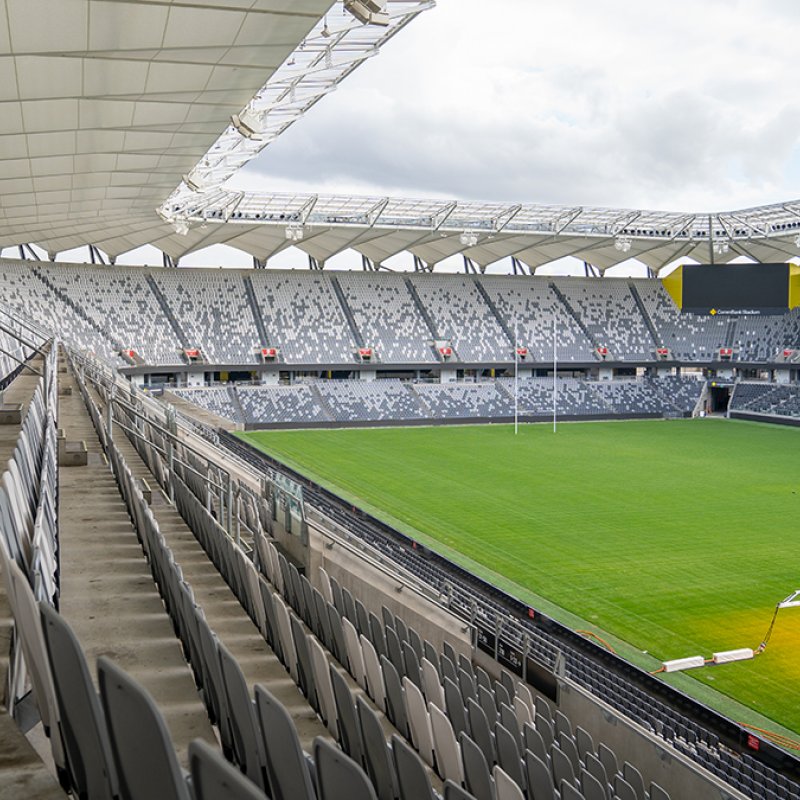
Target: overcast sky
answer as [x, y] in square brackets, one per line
[680, 105]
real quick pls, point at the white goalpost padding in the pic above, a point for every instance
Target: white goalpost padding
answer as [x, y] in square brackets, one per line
[726, 656]
[679, 664]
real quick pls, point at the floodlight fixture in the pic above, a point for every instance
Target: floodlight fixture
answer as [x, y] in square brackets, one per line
[370, 12]
[294, 232]
[468, 238]
[249, 123]
[721, 246]
[195, 182]
[181, 226]
[797, 241]
[623, 244]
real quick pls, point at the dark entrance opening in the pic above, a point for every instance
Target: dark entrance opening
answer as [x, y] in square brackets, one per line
[718, 399]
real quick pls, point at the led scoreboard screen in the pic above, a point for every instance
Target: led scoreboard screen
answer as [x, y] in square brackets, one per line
[736, 289]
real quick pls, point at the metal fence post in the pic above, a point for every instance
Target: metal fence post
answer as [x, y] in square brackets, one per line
[230, 504]
[171, 468]
[110, 413]
[526, 649]
[239, 519]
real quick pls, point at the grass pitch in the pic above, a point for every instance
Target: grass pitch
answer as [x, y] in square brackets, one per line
[676, 538]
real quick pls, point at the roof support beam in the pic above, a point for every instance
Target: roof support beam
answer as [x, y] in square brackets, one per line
[469, 266]
[420, 265]
[519, 268]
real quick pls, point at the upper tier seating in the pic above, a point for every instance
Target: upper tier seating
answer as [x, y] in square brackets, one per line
[762, 338]
[462, 317]
[120, 302]
[212, 309]
[609, 313]
[22, 291]
[155, 312]
[387, 317]
[303, 317]
[531, 305]
[690, 337]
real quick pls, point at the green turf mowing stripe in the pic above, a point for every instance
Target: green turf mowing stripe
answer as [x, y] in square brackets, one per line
[675, 537]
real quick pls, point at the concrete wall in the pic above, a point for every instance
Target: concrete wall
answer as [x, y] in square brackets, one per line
[375, 588]
[657, 762]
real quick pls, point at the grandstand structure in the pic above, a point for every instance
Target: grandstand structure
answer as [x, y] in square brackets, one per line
[170, 598]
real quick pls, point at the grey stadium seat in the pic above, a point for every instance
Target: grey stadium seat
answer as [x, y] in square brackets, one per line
[377, 759]
[213, 778]
[412, 778]
[82, 720]
[338, 776]
[477, 777]
[287, 770]
[143, 753]
[247, 742]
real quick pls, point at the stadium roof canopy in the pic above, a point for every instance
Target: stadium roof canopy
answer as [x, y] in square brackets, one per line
[264, 224]
[112, 109]
[106, 104]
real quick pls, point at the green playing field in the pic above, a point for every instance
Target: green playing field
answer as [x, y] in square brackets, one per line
[676, 538]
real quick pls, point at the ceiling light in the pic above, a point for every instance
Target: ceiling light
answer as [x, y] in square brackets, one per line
[294, 232]
[721, 247]
[623, 243]
[195, 182]
[370, 12]
[181, 226]
[468, 238]
[249, 123]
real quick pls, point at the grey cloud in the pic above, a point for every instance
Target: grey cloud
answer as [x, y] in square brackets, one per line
[689, 107]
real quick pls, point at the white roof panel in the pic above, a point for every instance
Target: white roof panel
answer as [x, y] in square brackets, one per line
[105, 106]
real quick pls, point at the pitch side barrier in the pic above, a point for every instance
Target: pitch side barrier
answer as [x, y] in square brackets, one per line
[770, 419]
[503, 624]
[440, 421]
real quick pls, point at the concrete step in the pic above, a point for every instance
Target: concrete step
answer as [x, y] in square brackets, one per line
[107, 592]
[23, 772]
[223, 611]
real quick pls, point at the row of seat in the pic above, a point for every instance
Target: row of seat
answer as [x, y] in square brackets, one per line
[775, 399]
[391, 400]
[395, 676]
[28, 512]
[300, 313]
[612, 688]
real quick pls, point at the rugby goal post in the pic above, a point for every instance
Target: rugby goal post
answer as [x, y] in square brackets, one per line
[792, 601]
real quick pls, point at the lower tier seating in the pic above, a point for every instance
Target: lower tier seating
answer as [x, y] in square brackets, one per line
[393, 400]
